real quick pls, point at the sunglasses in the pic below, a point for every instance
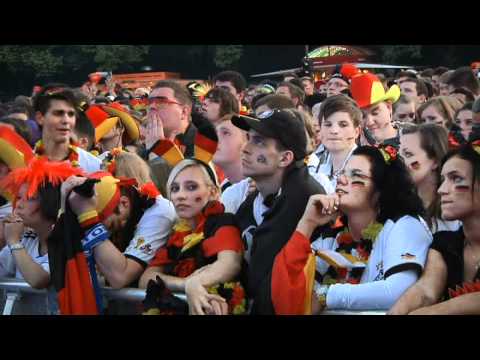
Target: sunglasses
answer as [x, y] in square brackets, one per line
[162, 101]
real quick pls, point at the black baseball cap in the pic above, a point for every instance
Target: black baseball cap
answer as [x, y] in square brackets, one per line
[281, 125]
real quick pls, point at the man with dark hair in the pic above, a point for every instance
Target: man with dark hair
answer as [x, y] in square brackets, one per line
[274, 157]
[415, 89]
[232, 81]
[291, 91]
[56, 109]
[404, 75]
[273, 101]
[311, 96]
[290, 76]
[463, 77]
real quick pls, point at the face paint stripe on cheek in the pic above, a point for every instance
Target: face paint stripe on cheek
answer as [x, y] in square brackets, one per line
[415, 165]
[261, 159]
[462, 188]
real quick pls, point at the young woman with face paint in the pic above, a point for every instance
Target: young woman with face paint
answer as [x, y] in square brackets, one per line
[205, 248]
[422, 148]
[450, 283]
[383, 229]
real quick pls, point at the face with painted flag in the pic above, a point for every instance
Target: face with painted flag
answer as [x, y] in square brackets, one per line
[459, 196]
[191, 190]
[416, 159]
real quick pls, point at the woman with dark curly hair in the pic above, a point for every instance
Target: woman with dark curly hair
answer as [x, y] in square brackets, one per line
[377, 249]
[450, 284]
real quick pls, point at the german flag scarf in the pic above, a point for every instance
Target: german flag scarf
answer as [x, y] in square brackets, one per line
[73, 275]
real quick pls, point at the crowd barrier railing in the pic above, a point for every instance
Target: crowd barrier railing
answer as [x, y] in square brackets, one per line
[14, 288]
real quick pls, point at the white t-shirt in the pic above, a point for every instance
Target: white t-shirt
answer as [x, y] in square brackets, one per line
[235, 195]
[8, 267]
[445, 225]
[152, 231]
[5, 210]
[400, 246]
[87, 161]
[322, 164]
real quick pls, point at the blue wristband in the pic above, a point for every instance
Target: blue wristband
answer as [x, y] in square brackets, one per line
[95, 236]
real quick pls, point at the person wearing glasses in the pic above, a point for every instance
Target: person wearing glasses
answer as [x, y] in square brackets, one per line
[169, 116]
[422, 147]
[404, 111]
[219, 104]
[55, 110]
[378, 245]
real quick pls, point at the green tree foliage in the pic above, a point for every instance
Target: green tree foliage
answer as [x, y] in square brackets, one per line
[227, 56]
[40, 59]
[62, 59]
[400, 53]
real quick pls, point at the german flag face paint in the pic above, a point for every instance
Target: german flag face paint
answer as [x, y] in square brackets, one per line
[458, 198]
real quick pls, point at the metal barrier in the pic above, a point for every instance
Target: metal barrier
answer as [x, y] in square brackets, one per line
[14, 288]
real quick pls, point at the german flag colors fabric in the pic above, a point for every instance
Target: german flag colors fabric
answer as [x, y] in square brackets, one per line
[101, 121]
[15, 152]
[131, 126]
[205, 147]
[69, 270]
[293, 276]
[367, 89]
[168, 151]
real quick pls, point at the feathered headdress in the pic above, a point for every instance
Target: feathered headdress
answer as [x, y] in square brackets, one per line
[198, 90]
[39, 172]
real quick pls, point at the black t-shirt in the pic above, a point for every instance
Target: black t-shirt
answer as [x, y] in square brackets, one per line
[450, 245]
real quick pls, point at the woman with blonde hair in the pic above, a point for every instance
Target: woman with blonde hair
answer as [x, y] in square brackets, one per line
[203, 255]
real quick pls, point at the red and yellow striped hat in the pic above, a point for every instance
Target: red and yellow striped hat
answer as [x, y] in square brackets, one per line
[132, 130]
[102, 121]
[367, 90]
[14, 150]
[108, 192]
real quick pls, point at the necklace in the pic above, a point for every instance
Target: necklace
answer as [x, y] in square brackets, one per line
[476, 261]
[72, 152]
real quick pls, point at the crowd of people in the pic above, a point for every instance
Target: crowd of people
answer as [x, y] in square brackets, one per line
[358, 192]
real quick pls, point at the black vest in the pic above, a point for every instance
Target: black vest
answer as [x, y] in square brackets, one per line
[279, 223]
